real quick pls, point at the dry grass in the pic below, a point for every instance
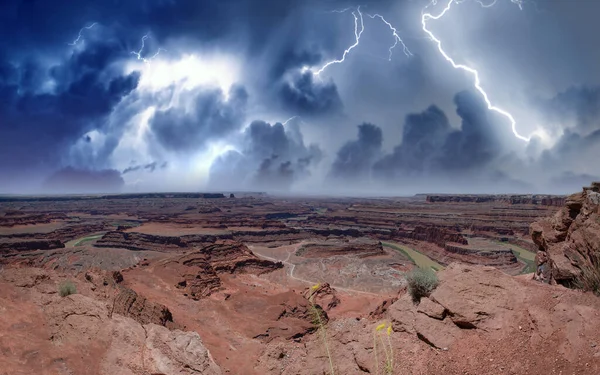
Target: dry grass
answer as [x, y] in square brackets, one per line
[589, 279]
[318, 321]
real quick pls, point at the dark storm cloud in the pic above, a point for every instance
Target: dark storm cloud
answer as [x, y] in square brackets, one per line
[272, 157]
[71, 180]
[356, 157]
[39, 124]
[307, 96]
[150, 167]
[572, 150]
[46, 27]
[578, 107]
[212, 116]
[568, 182]
[431, 146]
[475, 144]
[424, 137]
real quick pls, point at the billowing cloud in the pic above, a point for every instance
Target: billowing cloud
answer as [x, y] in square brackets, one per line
[355, 159]
[431, 146]
[210, 115]
[307, 96]
[94, 106]
[44, 109]
[576, 107]
[272, 157]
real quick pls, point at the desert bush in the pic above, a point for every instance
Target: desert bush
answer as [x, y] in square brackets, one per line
[421, 282]
[66, 288]
[589, 279]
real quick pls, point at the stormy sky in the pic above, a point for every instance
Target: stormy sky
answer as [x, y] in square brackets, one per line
[188, 95]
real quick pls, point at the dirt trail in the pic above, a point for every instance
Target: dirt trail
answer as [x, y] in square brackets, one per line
[292, 266]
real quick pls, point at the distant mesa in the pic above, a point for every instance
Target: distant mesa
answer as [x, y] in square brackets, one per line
[535, 199]
[93, 196]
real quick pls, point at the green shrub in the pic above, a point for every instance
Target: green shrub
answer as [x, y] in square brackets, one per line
[66, 288]
[421, 283]
[589, 279]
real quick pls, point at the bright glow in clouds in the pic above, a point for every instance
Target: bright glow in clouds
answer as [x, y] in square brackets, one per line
[426, 17]
[173, 81]
[188, 72]
[203, 161]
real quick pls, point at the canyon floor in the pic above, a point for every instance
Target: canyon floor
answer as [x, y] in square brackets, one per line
[228, 284]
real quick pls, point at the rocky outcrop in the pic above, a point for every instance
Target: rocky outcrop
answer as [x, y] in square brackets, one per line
[91, 340]
[199, 279]
[467, 298]
[323, 295]
[235, 257]
[140, 241]
[128, 303]
[489, 257]
[570, 240]
[436, 235]
[12, 218]
[12, 245]
[199, 271]
[64, 234]
[362, 247]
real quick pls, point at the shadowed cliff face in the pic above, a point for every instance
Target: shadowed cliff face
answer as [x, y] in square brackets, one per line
[570, 240]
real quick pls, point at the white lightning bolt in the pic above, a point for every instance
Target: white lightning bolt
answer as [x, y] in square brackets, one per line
[357, 34]
[290, 119]
[427, 16]
[396, 37]
[80, 33]
[486, 5]
[138, 54]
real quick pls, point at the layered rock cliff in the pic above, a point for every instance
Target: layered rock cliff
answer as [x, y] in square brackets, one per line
[570, 240]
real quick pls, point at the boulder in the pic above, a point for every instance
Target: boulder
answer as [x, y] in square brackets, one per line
[431, 309]
[129, 303]
[324, 296]
[476, 297]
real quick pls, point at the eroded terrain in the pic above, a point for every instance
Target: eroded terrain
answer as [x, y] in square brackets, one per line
[210, 283]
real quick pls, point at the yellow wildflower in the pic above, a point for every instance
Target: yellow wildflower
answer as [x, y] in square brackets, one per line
[389, 330]
[380, 327]
[316, 286]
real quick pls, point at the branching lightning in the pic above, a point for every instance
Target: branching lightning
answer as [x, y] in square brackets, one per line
[357, 33]
[428, 16]
[397, 38]
[359, 27]
[81, 33]
[138, 54]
